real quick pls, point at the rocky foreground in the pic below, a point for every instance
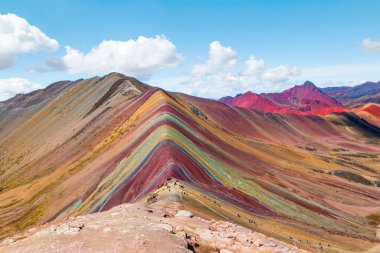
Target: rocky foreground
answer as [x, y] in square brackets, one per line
[162, 227]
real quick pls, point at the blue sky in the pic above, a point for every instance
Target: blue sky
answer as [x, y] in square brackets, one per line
[291, 41]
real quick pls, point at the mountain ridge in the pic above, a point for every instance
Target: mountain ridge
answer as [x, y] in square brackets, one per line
[356, 96]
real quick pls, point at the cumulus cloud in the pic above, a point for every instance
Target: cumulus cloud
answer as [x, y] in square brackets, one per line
[220, 58]
[219, 75]
[371, 45]
[253, 66]
[280, 74]
[12, 86]
[37, 69]
[51, 64]
[141, 57]
[17, 36]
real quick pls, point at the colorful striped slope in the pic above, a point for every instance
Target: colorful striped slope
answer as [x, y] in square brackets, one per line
[306, 179]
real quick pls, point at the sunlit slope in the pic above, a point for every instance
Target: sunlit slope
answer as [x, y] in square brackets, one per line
[370, 112]
[113, 140]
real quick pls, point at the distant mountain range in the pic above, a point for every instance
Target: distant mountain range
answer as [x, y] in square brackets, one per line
[356, 96]
[309, 99]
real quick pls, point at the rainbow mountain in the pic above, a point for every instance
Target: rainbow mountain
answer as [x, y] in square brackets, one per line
[86, 146]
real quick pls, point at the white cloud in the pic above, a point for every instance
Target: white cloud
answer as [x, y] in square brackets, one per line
[17, 36]
[140, 58]
[219, 75]
[253, 66]
[371, 45]
[12, 86]
[214, 86]
[256, 68]
[220, 58]
[51, 64]
[280, 74]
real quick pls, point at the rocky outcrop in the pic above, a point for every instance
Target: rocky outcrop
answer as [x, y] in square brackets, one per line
[137, 228]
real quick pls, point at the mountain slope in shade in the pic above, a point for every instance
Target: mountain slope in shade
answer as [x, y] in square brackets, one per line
[301, 99]
[227, 98]
[107, 141]
[356, 96]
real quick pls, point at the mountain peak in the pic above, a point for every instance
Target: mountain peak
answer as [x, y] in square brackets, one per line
[250, 93]
[309, 84]
[116, 74]
[116, 79]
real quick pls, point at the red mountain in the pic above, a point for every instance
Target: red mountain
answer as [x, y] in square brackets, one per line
[301, 99]
[254, 101]
[306, 97]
